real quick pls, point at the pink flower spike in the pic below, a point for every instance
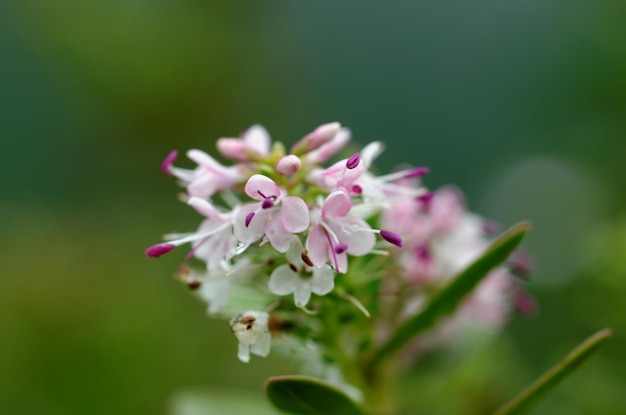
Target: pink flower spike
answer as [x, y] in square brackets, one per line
[166, 166]
[288, 165]
[353, 161]
[392, 238]
[156, 251]
[417, 172]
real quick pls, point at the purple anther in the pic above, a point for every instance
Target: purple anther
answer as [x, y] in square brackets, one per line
[249, 217]
[167, 163]
[340, 248]
[422, 253]
[417, 172]
[425, 198]
[353, 161]
[392, 238]
[156, 251]
[267, 203]
[357, 189]
[490, 227]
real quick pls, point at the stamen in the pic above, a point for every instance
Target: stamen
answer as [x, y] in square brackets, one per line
[293, 267]
[166, 166]
[306, 259]
[422, 253]
[267, 203]
[357, 304]
[156, 251]
[195, 248]
[341, 248]
[353, 161]
[249, 217]
[425, 199]
[357, 189]
[392, 238]
[332, 248]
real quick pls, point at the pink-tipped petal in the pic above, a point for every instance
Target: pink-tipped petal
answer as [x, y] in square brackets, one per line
[232, 148]
[257, 140]
[156, 251]
[203, 207]
[261, 187]
[166, 166]
[294, 214]
[417, 172]
[337, 204]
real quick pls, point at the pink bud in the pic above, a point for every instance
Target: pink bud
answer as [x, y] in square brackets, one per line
[320, 136]
[232, 148]
[156, 251]
[288, 164]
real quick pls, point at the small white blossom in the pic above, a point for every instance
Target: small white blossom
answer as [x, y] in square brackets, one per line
[300, 278]
[251, 329]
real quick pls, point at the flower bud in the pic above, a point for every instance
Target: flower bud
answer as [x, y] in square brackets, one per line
[320, 136]
[232, 148]
[288, 164]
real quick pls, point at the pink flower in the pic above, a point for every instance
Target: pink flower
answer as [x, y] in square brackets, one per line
[336, 234]
[276, 217]
[314, 140]
[209, 177]
[254, 143]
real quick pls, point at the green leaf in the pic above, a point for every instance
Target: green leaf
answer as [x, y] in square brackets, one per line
[448, 299]
[556, 374]
[211, 401]
[310, 396]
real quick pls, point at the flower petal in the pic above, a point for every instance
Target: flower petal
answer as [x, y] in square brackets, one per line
[317, 246]
[354, 233]
[323, 280]
[243, 352]
[256, 227]
[294, 214]
[260, 187]
[302, 293]
[337, 204]
[283, 280]
[262, 346]
[203, 207]
[257, 139]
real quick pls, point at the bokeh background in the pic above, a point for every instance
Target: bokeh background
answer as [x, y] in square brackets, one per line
[522, 104]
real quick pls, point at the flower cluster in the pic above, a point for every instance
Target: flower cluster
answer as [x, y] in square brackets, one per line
[280, 223]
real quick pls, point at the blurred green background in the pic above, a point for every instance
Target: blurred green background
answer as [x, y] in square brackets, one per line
[520, 103]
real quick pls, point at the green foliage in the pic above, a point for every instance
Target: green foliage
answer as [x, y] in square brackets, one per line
[555, 375]
[207, 401]
[307, 395]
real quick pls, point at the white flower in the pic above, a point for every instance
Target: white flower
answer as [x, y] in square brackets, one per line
[300, 278]
[251, 329]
